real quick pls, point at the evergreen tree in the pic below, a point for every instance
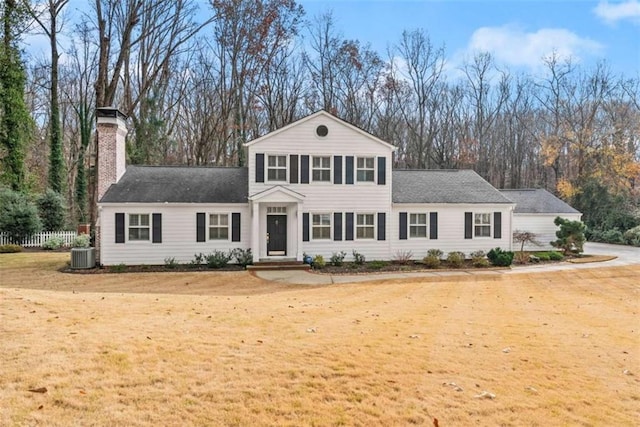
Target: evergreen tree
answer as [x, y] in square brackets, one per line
[15, 121]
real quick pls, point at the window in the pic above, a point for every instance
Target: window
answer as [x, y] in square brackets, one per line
[365, 169]
[321, 169]
[364, 226]
[139, 227]
[418, 225]
[277, 168]
[482, 225]
[322, 131]
[321, 226]
[276, 209]
[218, 227]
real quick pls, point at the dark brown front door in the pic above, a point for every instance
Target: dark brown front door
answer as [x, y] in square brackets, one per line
[276, 235]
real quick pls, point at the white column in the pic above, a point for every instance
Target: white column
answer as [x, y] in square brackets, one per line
[299, 232]
[255, 230]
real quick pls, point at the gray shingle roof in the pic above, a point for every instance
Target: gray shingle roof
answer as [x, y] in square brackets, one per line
[180, 184]
[443, 186]
[538, 201]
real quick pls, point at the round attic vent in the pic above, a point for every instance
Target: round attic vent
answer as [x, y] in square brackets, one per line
[322, 130]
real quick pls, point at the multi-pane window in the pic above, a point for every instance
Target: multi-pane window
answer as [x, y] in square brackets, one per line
[482, 225]
[364, 226]
[321, 226]
[365, 169]
[321, 168]
[218, 226]
[277, 168]
[138, 226]
[418, 225]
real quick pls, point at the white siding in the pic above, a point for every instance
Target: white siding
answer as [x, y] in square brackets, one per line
[542, 225]
[450, 229]
[178, 233]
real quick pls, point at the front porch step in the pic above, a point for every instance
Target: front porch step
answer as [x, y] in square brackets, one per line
[284, 264]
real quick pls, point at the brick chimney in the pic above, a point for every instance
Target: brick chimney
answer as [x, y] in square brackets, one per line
[112, 131]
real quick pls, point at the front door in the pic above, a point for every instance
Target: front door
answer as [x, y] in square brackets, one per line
[276, 235]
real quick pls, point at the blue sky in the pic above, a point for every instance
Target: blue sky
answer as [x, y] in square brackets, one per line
[517, 32]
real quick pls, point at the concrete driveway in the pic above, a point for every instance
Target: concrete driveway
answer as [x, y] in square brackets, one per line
[626, 255]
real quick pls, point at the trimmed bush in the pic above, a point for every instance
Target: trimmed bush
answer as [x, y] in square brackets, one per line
[337, 258]
[218, 259]
[570, 236]
[455, 259]
[479, 259]
[500, 258]
[10, 249]
[53, 243]
[432, 260]
[318, 262]
[556, 256]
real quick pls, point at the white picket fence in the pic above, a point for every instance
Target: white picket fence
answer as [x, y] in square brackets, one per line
[38, 239]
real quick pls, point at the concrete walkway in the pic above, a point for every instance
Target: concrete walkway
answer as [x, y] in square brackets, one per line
[625, 255]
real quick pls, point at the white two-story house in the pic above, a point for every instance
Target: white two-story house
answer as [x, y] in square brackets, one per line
[317, 186]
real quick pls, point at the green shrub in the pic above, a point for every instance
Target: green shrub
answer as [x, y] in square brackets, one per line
[571, 236]
[51, 210]
[218, 259]
[337, 258]
[500, 258]
[118, 268]
[243, 257]
[556, 256]
[81, 241]
[479, 259]
[431, 261]
[435, 252]
[377, 265]
[199, 259]
[171, 263]
[318, 262]
[632, 236]
[358, 258]
[18, 216]
[455, 259]
[10, 249]
[55, 242]
[543, 256]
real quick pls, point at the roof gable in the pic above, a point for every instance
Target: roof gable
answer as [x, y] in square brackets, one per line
[328, 116]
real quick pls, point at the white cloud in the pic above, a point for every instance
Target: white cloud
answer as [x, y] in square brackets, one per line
[613, 12]
[512, 45]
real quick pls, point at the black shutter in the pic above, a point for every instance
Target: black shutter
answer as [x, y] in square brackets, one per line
[403, 226]
[157, 228]
[433, 225]
[468, 225]
[293, 171]
[119, 228]
[235, 227]
[497, 225]
[382, 170]
[201, 235]
[304, 169]
[348, 227]
[305, 227]
[337, 169]
[259, 168]
[337, 226]
[382, 227]
[348, 165]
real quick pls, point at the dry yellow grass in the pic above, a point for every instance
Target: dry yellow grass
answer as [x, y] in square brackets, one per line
[230, 349]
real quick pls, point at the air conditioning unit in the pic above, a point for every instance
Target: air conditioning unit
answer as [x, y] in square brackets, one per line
[83, 258]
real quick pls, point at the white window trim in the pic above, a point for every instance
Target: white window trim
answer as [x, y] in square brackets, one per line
[209, 226]
[329, 226]
[490, 225]
[330, 169]
[139, 227]
[363, 226]
[425, 225]
[373, 169]
[286, 167]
